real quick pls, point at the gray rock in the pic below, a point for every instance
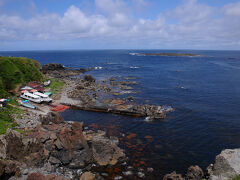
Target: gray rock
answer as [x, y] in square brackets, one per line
[141, 175]
[104, 174]
[118, 177]
[227, 165]
[25, 172]
[194, 173]
[54, 160]
[149, 169]
[127, 173]
[3, 146]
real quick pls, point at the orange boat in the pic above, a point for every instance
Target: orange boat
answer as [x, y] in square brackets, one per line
[59, 108]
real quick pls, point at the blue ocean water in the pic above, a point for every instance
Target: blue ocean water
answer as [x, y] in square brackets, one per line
[204, 91]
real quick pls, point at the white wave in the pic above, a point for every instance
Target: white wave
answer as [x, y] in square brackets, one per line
[98, 67]
[133, 54]
[134, 67]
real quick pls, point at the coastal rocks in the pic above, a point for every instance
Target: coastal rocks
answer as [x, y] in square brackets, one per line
[194, 173]
[106, 151]
[51, 117]
[89, 78]
[28, 120]
[58, 71]
[39, 176]
[173, 176]
[9, 168]
[87, 176]
[152, 111]
[52, 67]
[226, 166]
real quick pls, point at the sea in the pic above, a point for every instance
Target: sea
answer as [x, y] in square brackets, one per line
[204, 92]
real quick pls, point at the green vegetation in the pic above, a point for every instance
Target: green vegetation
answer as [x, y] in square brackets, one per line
[56, 85]
[236, 178]
[6, 119]
[16, 71]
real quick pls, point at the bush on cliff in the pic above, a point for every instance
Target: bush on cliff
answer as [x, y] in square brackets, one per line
[15, 71]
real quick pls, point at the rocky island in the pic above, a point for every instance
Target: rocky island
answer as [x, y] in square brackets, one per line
[167, 54]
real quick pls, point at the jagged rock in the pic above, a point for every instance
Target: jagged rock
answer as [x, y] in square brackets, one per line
[9, 168]
[106, 151]
[52, 67]
[141, 174]
[87, 176]
[54, 160]
[127, 173]
[227, 165]
[3, 146]
[39, 176]
[173, 176]
[194, 173]
[53, 117]
[15, 146]
[89, 78]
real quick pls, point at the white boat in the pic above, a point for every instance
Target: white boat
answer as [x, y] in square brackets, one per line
[46, 83]
[44, 97]
[31, 97]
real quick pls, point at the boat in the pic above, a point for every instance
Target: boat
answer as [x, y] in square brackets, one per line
[31, 97]
[26, 104]
[44, 97]
[49, 93]
[46, 83]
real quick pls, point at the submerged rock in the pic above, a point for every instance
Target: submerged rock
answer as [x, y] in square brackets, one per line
[194, 173]
[173, 176]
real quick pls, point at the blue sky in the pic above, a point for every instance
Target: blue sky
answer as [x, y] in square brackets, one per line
[119, 24]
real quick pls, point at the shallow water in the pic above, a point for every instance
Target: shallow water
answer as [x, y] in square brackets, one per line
[204, 91]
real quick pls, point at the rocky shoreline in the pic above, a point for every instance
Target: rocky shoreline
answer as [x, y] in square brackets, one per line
[51, 148]
[56, 149]
[86, 93]
[225, 167]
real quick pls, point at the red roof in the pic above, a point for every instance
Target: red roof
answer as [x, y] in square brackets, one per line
[40, 89]
[34, 84]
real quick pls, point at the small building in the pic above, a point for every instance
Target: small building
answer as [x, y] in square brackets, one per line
[28, 88]
[37, 86]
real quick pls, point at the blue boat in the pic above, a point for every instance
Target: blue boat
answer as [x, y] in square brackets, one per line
[26, 104]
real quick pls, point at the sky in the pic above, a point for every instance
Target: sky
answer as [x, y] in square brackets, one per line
[119, 24]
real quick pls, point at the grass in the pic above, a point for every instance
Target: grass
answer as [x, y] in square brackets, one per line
[56, 85]
[16, 71]
[6, 119]
[236, 178]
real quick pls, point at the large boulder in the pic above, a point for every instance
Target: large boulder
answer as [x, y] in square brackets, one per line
[173, 176]
[39, 176]
[226, 166]
[194, 173]
[106, 151]
[51, 117]
[87, 176]
[9, 168]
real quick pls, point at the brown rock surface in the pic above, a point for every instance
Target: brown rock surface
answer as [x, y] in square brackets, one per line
[173, 176]
[194, 173]
[87, 176]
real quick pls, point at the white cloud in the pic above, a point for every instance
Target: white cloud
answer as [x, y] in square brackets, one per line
[232, 9]
[192, 25]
